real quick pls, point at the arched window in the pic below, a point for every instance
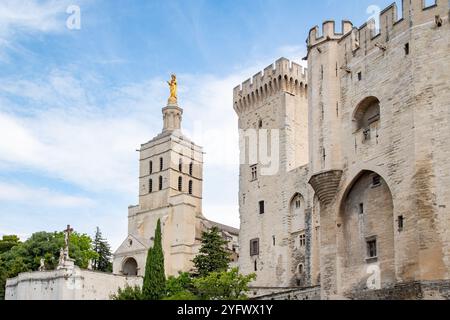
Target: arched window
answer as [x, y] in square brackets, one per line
[180, 165]
[300, 268]
[191, 185]
[161, 164]
[150, 186]
[191, 168]
[366, 113]
[151, 167]
[160, 183]
[297, 212]
[180, 184]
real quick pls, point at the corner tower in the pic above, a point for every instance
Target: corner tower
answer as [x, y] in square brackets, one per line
[274, 196]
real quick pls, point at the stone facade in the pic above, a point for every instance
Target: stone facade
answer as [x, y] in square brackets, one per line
[170, 189]
[371, 169]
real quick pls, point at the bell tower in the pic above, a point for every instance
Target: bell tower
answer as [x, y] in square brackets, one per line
[170, 189]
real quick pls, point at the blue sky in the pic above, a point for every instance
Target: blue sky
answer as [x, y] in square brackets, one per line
[76, 104]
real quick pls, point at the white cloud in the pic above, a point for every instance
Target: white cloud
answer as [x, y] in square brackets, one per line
[20, 193]
[24, 18]
[72, 128]
[31, 16]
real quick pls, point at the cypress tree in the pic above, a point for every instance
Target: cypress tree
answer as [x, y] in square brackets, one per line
[155, 278]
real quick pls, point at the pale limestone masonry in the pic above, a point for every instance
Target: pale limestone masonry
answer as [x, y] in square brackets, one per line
[170, 189]
[277, 100]
[67, 284]
[375, 190]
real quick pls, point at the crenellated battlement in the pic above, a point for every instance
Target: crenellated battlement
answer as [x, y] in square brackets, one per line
[283, 76]
[367, 37]
[328, 32]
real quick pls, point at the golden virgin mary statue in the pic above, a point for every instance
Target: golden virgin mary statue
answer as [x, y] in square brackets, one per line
[173, 89]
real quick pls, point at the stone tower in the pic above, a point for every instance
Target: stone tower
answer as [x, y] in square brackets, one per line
[276, 219]
[379, 131]
[170, 189]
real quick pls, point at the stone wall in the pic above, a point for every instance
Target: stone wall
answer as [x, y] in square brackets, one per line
[312, 293]
[399, 68]
[425, 290]
[67, 284]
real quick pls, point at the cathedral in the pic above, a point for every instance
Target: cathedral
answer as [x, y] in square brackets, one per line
[344, 176]
[170, 190]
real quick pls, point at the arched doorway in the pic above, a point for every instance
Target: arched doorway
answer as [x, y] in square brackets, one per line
[130, 267]
[366, 230]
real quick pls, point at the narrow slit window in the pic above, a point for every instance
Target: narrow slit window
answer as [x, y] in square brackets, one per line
[401, 223]
[191, 187]
[180, 184]
[261, 207]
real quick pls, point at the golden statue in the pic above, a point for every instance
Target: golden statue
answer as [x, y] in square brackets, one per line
[173, 89]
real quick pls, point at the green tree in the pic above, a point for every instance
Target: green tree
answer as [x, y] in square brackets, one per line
[128, 293]
[103, 250]
[155, 278]
[225, 285]
[180, 288]
[26, 256]
[8, 242]
[3, 276]
[213, 255]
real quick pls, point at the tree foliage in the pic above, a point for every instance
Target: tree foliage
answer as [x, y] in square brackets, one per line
[213, 255]
[128, 293]
[8, 242]
[26, 256]
[225, 285]
[180, 288]
[103, 260]
[155, 278]
[212, 281]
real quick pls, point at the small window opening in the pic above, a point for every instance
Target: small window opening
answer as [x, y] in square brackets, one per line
[261, 207]
[376, 180]
[372, 248]
[401, 222]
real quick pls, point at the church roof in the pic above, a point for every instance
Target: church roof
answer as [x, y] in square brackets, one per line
[222, 227]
